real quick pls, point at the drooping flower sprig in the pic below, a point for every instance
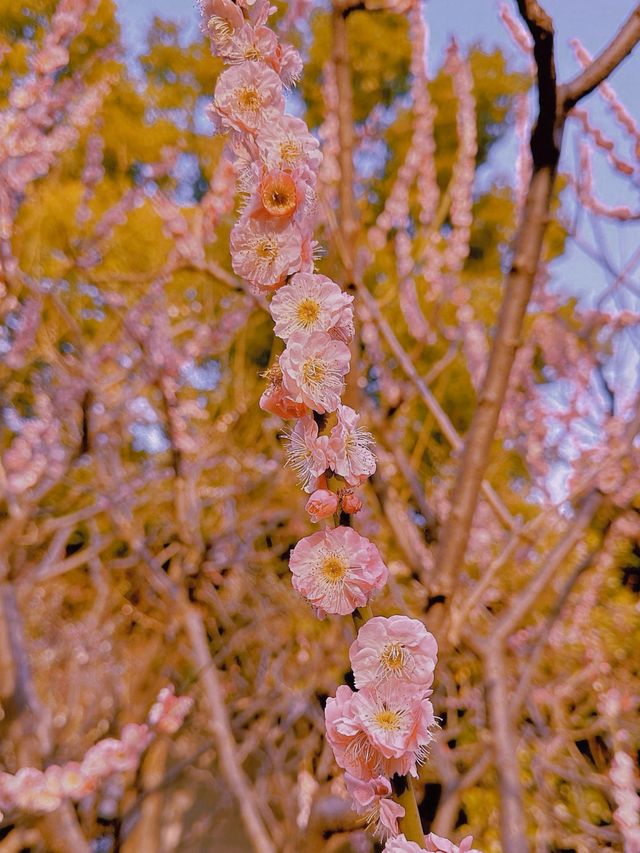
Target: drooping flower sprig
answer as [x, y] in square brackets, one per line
[381, 731]
[41, 791]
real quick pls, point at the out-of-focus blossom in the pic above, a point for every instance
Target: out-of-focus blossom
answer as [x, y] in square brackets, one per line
[168, 712]
[337, 570]
[37, 792]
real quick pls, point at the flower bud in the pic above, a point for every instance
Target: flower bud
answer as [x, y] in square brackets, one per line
[351, 503]
[322, 504]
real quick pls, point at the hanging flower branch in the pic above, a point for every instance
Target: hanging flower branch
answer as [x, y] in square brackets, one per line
[381, 731]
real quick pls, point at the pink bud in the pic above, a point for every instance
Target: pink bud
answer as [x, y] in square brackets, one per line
[351, 503]
[275, 400]
[322, 504]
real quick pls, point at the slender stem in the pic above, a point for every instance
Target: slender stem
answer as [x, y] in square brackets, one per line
[410, 824]
[361, 615]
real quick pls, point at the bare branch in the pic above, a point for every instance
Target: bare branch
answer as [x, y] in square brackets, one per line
[620, 47]
[512, 819]
[545, 147]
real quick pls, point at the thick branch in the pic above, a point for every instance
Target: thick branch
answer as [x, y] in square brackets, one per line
[620, 47]
[346, 136]
[525, 600]
[220, 727]
[512, 820]
[545, 147]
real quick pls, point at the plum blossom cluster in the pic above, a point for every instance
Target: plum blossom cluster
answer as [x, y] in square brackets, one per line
[383, 728]
[37, 791]
[276, 161]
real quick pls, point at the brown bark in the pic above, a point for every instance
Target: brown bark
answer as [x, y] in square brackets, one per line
[545, 148]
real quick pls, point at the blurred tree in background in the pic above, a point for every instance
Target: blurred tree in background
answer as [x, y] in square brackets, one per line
[146, 518]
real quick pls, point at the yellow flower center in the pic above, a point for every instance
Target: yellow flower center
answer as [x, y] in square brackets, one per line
[252, 53]
[248, 99]
[334, 568]
[390, 721]
[290, 152]
[267, 249]
[313, 371]
[221, 30]
[392, 657]
[308, 311]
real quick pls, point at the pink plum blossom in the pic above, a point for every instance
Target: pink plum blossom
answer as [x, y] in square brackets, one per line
[265, 254]
[400, 844]
[310, 303]
[395, 648]
[246, 96]
[285, 143]
[372, 797]
[36, 791]
[349, 448]
[322, 504]
[379, 731]
[397, 719]
[337, 570]
[224, 19]
[168, 712]
[437, 844]
[433, 843]
[313, 367]
[248, 43]
[276, 195]
[307, 453]
[290, 65]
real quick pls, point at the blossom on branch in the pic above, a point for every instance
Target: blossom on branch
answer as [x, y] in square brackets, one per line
[380, 730]
[349, 448]
[337, 570]
[246, 96]
[307, 452]
[313, 367]
[265, 254]
[433, 843]
[393, 649]
[312, 303]
[372, 798]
